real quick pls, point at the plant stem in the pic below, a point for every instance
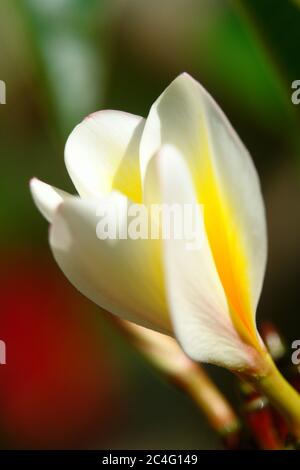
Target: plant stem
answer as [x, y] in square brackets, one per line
[281, 394]
[168, 358]
[211, 401]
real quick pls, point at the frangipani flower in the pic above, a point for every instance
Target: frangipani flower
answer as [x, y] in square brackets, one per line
[186, 151]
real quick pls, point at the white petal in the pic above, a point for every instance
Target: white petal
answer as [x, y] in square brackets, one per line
[122, 276]
[101, 154]
[197, 302]
[226, 182]
[46, 197]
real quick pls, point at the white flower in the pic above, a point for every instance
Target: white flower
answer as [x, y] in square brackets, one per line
[184, 152]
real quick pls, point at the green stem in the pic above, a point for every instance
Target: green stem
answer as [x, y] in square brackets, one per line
[281, 394]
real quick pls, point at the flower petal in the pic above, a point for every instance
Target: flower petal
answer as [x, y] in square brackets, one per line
[46, 197]
[122, 276]
[197, 301]
[101, 154]
[226, 184]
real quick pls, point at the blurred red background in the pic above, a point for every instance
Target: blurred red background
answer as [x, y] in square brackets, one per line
[58, 388]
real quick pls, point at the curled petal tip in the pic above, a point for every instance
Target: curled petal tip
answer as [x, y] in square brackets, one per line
[46, 197]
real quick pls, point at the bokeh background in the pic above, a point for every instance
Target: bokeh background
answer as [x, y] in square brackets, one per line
[71, 380]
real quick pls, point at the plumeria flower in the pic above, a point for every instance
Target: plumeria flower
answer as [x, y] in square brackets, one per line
[185, 152]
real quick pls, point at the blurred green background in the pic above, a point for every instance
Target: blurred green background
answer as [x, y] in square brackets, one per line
[70, 379]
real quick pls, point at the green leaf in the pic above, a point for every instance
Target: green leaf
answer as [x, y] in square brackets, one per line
[70, 63]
